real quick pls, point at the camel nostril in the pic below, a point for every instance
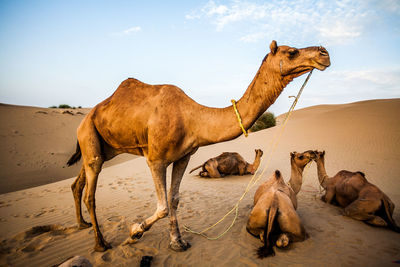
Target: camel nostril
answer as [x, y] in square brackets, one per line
[322, 51]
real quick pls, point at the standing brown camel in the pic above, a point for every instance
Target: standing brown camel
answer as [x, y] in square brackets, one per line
[229, 163]
[360, 199]
[274, 218]
[161, 123]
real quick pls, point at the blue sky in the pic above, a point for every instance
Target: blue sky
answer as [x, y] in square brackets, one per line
[78, 52]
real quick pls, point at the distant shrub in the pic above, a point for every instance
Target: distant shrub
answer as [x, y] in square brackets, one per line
[64, 106]
[265, 121]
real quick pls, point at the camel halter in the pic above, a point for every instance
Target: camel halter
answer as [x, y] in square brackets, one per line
[275, 140]
[239, 118]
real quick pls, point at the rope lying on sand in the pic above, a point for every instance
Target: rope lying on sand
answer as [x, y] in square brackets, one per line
[256, 177]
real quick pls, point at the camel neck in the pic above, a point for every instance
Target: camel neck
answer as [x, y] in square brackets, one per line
[322, 176]
[221, 124]
[253, 167]
[296, 178]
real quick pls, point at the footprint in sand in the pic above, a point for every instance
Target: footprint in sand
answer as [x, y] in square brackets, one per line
[35, 238]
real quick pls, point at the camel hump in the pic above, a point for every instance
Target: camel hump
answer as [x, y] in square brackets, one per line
[361, 173]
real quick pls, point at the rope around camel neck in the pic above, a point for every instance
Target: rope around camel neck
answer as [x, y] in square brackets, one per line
[253, 179]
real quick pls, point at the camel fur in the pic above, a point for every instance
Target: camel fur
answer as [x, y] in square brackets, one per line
[229, 163]
[274, 218]
[360, 199]
[161, 123]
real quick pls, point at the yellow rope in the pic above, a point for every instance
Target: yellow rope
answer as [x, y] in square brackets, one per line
[253, 179]
[239, 118]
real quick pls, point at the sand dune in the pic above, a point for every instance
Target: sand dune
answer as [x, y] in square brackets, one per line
[35, 144]
[37, 225]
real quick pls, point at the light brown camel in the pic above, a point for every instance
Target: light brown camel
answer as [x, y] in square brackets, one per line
[274, 218]
[161, 123]
[229, 163]
[360, 199]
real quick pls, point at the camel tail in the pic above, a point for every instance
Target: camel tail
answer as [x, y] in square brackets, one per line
[196, 168]
[389, 219]
[76, 156]
[271, 227]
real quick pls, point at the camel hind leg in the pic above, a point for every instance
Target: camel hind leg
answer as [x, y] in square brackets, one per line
[363, 210]
[90, 144]
[77, 188]
[211, 168]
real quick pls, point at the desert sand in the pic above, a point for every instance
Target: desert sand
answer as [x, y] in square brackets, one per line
[38, 225]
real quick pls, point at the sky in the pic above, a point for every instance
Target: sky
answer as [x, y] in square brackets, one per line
[78, 52]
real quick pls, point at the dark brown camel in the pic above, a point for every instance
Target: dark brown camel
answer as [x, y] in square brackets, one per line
[360, 199]
[274, 218]
[229, 163]
[161, 123]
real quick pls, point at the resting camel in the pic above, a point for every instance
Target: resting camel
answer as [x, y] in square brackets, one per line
[274, 218]
[360, 199]
[161, 123]
[229, 163]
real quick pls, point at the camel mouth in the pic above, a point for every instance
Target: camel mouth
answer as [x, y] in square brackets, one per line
[322, 66]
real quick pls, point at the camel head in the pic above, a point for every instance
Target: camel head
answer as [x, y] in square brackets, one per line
[292, 62]
[259, 152]
[319, 155]
[302, 159]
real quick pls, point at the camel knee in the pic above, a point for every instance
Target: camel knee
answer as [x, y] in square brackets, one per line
[162, 213]
[95, 164]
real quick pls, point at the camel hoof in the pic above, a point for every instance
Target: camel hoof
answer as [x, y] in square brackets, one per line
[102, 247]
[137, 231]
[179, 245]
[84, 225]
[282, 241]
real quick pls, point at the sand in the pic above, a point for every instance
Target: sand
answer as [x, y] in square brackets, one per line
[38, 225]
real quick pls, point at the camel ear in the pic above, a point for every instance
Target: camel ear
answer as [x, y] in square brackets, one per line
[274, 47]
[323, 153]
[292, 154]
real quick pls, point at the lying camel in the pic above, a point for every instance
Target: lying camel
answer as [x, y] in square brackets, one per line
[360, 199]
[229, 163]
[163, 124]
[274, 218]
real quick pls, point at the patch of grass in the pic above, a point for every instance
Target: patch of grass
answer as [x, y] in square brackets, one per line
[265, 121]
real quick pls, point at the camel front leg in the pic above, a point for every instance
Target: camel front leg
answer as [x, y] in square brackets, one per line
[179, 167]
[329, 195]
[158, 171]
[77, 188]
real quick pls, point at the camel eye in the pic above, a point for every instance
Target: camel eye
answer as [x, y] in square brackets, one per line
[293, 52]
[301, 157]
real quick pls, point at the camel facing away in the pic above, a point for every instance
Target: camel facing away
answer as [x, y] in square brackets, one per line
[161, 123]
[229, 163]
[360, 199]
[274, 218]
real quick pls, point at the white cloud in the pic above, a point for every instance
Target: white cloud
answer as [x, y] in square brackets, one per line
[129, 31]
[326, 21]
